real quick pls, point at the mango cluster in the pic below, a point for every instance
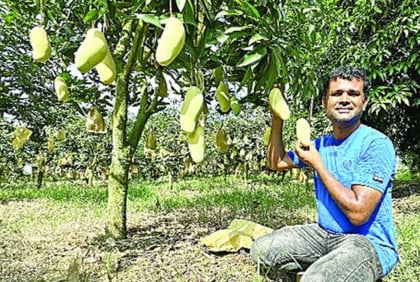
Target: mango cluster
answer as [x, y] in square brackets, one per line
[95, 53]
[191, 109]
[280, 108]
[225, 100]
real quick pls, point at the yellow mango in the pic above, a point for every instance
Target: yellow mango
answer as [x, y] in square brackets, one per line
[278, 104]
[191, 109]
[61, 89]
[95, 121]
[20, 136]
[303, 132]
[92, 50]
[41, 47]
[196, 144]
[61, 135]
[106, 69]
[267, 136]
[151, 140]
[171, 42]
[223, 97]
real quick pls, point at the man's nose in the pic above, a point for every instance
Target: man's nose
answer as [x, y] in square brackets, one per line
[344, 98]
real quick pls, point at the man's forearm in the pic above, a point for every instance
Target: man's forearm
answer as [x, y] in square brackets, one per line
[345, 198]
[275, 151]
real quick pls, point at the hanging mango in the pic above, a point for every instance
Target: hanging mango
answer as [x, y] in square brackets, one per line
[223, 97]
[20, 136]
[278, 104]
[41, 47]
[171, 42]
[95, 121]
[61, 89]
[196, 144]
[191, 109]
[92, 50]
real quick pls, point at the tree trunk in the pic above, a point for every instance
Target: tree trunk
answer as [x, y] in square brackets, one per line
[116, 226]
[124, 143]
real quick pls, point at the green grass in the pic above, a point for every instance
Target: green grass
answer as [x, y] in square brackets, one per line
[263, 199]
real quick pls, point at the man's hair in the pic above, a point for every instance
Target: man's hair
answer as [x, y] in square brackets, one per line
[349, 73]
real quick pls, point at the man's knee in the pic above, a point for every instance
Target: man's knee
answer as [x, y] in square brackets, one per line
[268, 249]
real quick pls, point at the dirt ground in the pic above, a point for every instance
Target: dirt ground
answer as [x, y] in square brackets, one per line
[159, 247]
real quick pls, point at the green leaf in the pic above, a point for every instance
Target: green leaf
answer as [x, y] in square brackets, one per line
[91, 16]
[249, 59]
[180, 4]
[255, 38]
[247, 76]
[151, 19]
[235, 29]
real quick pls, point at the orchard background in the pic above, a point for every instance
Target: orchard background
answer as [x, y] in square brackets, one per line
[254, 44]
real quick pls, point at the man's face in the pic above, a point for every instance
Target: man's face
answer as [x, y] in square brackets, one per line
[345, 101]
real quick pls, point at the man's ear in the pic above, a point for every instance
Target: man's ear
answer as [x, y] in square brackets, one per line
[324, 101]
[365, 103]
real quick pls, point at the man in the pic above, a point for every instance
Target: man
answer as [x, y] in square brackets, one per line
[354, 239]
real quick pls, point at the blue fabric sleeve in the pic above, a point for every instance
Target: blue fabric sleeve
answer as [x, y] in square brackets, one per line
[293, 156]
[376, 166]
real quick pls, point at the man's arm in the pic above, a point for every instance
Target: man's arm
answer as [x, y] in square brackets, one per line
[277, 157]
[358, 203]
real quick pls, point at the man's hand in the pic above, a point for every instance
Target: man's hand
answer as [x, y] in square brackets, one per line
[308, 155]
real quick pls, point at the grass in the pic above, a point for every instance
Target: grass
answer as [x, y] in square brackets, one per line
[214, 201]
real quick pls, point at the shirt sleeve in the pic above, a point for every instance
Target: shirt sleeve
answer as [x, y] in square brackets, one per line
[293, 156]
[376, 166]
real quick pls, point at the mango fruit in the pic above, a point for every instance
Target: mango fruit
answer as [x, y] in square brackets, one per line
[95, 121]
[106, 69]
[41, 47]
[51, 144]
[163, 86]
[267, 136]
[191, 109]
[92, 50]
[196, 144]
[20, 136]
[223, 97]
[303, 132]
[171, 42]
[61, 89]
[151, 140]
[61, 135]
[278, 104]
[218, 74]
[222, 141]
[235, 106]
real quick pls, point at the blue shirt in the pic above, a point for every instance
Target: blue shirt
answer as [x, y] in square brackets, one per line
[366, 157]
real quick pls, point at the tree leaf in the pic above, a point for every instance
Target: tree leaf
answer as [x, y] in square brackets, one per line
[180, 4]
[249, 59]
[151, 19]
[91, 16]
